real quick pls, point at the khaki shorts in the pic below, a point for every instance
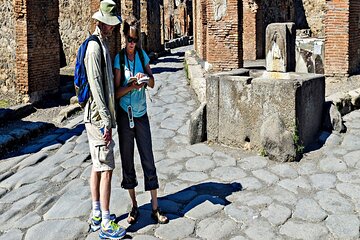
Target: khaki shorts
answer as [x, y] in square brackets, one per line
[102, 156]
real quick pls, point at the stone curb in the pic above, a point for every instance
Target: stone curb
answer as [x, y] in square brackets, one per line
[20, 135]
[15, 112]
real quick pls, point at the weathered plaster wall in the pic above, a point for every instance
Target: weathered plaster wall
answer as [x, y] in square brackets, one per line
[7, 46]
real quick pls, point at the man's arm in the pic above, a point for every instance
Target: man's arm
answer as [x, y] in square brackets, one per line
[94, 73]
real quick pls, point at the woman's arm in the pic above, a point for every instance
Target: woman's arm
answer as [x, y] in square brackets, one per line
[122, 91]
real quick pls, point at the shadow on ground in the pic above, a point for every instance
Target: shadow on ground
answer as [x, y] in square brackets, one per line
[178, 204]
[32, 137]
[165, 69]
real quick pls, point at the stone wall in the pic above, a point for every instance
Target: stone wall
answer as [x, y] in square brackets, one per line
[150, 26]
[7, 46]
[75, 25]
[315, 16]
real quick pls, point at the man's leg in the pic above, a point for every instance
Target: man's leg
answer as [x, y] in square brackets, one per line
[105, 190]
[95, 193]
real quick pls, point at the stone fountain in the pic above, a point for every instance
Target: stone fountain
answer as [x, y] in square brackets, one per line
[278, 113]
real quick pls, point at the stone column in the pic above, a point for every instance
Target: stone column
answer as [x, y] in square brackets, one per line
[150, 25]
[200, 27]
[337, 38]
[250, 34]
[37, 48]
[354, 36]
[224, 34]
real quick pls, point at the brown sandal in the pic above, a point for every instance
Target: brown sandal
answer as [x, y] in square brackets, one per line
[159, 216]
[133, 215]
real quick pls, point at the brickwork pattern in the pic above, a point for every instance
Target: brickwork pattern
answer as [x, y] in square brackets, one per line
[224, 36]
[200, 27]
[250, 9]
[7, 46]
[337, 38]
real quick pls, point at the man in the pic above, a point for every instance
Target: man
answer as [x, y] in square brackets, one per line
[99, 118]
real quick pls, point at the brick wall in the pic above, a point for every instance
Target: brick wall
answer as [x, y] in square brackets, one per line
[354, 30]
[200, 27]
[7, 46]
[37, 34]
[250, 9]
[337, 38]
[224, 35]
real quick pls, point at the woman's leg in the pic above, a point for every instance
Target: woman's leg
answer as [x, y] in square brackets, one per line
[143, 141]
[126, 146]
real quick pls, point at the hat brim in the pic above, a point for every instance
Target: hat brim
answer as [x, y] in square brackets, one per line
[109, 20]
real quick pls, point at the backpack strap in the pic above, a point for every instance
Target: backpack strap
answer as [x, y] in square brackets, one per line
[122, 66]
[96, 39]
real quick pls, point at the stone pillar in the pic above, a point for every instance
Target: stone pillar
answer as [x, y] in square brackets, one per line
[337, 38]
[37, 48]
[250, 34]
[224, 34]
[354, 36]
[200, 27]
[150, 25]
[280, 47]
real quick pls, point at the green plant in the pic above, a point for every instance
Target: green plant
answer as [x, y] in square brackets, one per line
[263, 152]
[299, 147]
[186, 67]
[4, 104]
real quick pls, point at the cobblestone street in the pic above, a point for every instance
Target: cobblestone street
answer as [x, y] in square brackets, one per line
[208, 191]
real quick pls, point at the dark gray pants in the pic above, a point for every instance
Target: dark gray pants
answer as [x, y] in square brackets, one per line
[141, 133]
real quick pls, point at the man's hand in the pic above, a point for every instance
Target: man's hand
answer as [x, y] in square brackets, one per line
[107, 136]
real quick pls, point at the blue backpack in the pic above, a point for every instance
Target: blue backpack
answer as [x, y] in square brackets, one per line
[82, 88]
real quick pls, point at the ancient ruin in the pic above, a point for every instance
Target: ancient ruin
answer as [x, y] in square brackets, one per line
[39, 37]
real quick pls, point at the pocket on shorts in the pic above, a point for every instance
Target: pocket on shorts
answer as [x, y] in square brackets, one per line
[102, 153]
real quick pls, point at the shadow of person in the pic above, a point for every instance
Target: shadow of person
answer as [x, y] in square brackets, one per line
[195, 202]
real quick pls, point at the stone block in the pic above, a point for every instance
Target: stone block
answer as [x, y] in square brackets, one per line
[280, 47]
[238, 106]
[212, 113]
[197, 128]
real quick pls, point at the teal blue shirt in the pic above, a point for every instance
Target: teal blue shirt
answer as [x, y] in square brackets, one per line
[135, 98]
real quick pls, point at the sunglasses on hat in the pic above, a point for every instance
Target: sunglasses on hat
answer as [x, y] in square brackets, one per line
[134, 40]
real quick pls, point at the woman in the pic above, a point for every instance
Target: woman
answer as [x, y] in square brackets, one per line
[132, 119]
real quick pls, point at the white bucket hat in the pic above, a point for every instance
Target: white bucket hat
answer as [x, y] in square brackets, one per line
[107, 13]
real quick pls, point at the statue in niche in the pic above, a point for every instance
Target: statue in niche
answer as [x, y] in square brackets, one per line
[219, 9]
[274, 58]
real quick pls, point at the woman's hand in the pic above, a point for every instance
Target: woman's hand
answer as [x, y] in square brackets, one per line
[140, 75]
[136, 86]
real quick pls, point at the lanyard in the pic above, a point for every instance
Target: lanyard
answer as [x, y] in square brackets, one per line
[128, 62]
